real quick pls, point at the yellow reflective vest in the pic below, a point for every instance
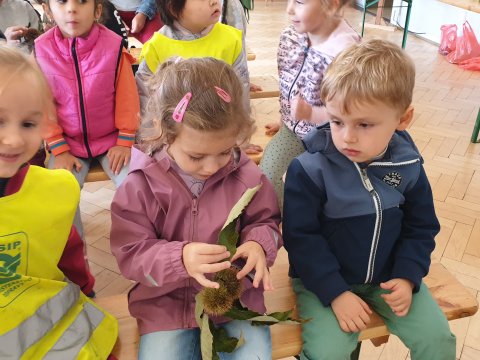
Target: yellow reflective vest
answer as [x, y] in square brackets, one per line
[44, 316]
[223, 42]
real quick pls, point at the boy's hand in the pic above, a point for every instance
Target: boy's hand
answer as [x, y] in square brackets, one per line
[300, 109]
[255, 256]
[118, 156]
[272, 128]
[255, 88]
[138, 23]
[251, 148]
[14, 33]
[201, 258]
[400, 297]
[67, 161]
[353, 314]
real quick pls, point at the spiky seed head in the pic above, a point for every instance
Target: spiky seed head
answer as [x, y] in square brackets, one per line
[228, 279]
[216, 301]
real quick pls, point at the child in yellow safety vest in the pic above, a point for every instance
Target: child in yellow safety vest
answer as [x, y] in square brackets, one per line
[42, 267]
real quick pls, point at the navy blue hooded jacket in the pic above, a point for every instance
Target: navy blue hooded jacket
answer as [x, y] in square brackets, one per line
[347, 223]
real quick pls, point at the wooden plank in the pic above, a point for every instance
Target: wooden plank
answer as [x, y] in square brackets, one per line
[470, 5]
[269, 87]
[453, 298]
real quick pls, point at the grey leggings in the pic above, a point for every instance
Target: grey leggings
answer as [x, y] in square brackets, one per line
[280, 151]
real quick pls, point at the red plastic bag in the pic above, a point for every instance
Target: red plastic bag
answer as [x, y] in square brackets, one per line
[471, 64]
[467, 46]
[448, 39]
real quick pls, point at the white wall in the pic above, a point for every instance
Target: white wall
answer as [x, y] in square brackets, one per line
[428, 15]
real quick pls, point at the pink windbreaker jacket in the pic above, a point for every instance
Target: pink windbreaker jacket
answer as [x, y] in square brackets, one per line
[154, 215]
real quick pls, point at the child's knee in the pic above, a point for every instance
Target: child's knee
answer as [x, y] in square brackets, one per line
[440, 339]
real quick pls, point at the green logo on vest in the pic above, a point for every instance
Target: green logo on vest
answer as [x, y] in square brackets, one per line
[8, 267]
[13, 282]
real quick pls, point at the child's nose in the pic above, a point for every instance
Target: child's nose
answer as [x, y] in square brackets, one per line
[71, 6]
[14, 138]
[211, 167]
[290, 7]
[349, 135]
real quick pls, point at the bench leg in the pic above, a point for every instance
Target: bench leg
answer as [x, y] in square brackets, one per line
[476, 129]
[356, 353]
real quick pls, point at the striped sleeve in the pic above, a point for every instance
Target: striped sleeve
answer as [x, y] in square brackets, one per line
[127, 102]
[55, 140]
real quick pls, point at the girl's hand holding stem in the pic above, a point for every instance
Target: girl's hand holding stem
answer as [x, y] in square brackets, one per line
[201, 258]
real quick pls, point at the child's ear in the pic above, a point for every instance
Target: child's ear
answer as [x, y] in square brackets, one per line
[98, 12]
[405, 119]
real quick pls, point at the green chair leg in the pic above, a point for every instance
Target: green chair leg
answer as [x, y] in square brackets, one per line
[476, 129]
[407, 22]
[365, 7]
[407, 18]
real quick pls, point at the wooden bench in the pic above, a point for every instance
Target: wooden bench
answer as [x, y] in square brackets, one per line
[269, 85]
[454, 299]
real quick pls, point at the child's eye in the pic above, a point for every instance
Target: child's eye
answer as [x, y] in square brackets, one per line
[335, 122]
[226, 153]
[365, 125]
[195, 158]
[29, 124]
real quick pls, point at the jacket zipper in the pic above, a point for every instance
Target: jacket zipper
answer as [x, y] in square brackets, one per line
[378, 210]
[80, 95]
[378, 221]
[305, 52]
[194, 212]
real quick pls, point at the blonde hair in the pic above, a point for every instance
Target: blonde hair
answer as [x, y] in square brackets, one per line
[369, 71]
[14, 63]
[336, 5]
[206, 111]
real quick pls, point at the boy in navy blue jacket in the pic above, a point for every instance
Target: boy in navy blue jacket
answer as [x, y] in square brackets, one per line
[359, 220]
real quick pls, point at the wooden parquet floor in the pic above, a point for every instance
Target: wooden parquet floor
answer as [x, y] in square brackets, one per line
[446, 102]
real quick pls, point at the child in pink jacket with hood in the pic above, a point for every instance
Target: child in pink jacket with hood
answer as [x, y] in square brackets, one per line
[167, 215]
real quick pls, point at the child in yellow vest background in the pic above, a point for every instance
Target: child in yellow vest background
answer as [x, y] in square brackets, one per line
[42, 268]
[192, 30]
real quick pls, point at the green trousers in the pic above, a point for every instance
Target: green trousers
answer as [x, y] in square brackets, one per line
[424, 330]
[279, 152]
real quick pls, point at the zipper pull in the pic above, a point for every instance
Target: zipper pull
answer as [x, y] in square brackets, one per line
[194, 207]
[366, 181]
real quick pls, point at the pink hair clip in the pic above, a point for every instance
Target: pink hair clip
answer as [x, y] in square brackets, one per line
[181, 107]
[223, 94]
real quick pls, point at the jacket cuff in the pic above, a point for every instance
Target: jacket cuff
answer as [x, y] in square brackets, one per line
[176, 259]
[58, 145]
[410, 270]
[125, 139]
[329, 287]
[146, 11]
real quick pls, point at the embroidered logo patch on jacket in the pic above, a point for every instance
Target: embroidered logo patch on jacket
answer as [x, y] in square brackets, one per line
[393, 179]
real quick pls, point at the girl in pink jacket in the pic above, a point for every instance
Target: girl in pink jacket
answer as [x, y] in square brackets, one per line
[185, 177]
[91, 78]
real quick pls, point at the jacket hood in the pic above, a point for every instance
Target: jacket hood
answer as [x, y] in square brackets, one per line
[400, 148]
